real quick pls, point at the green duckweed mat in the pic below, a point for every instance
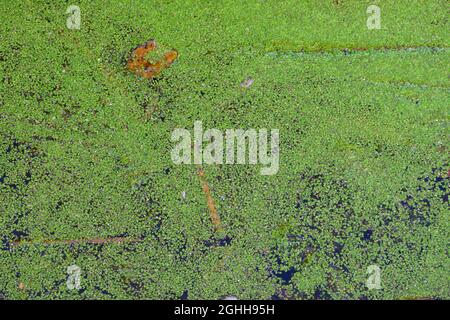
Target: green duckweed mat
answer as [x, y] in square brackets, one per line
[87, 179]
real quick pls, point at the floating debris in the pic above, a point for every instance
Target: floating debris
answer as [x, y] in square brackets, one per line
[140, 66]
[247, 83]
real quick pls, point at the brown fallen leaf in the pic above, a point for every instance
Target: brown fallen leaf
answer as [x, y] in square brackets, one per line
[140, 66]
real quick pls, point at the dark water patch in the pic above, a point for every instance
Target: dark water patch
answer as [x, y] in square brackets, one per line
[27, 178]
[21, 147]
[281, 294]
[418, 202]
[337, 247]
[134, 287]
[435, 181]
[306, 254]
[184, 295]
[226, 241]
[295, 237]
[103, 291]
[417, 212]
[81, 291]
[20, 235]
[13, 145]
[285, 276]
[386, 213]
[59, 204]
[367, 235]
[279, 264]
[6, 245]
[321, 294]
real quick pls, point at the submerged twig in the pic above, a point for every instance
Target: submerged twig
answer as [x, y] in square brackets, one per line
[77, 241]
[215, 219]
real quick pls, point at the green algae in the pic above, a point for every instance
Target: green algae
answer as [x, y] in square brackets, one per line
[85, 150]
